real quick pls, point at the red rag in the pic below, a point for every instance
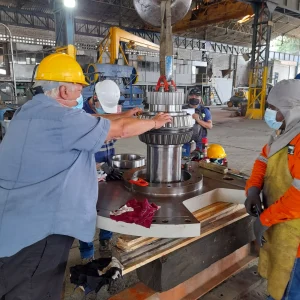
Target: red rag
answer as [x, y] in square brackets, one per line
[142, 213]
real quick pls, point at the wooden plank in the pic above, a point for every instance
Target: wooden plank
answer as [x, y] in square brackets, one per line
[128, 257]
[211, 210]
[179, 243]
[134, 243]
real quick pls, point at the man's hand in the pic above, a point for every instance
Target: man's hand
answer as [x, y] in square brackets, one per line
[161, 119]
[253, 202]
[132, 112]
[195, 117]
[259, 230]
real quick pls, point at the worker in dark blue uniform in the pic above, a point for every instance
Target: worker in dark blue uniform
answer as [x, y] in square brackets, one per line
[94, 107]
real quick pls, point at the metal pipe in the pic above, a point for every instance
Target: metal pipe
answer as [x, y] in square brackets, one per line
[13, 62]
[163, 163]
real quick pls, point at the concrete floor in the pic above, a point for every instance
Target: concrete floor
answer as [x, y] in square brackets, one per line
[242, 140]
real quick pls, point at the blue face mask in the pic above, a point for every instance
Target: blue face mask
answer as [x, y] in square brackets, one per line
[100, 111]
[79, 103]
[270, 119]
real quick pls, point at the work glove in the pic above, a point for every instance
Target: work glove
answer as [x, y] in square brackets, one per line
[259, 230]
[253, 202]
[112, 173]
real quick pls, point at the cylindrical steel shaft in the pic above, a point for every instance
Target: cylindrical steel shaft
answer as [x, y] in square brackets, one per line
[164, 163]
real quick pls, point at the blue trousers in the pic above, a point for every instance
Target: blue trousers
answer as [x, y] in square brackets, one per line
[87, 249]
[292, 291]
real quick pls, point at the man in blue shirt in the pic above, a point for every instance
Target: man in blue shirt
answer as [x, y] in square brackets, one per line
[48, 180]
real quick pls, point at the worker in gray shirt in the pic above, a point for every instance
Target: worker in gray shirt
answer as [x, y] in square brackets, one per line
[48, 180]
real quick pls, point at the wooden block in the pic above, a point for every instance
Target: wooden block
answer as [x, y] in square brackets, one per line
[214, 208]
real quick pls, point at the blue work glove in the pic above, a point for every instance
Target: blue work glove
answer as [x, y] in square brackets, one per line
[259, 230]
[253, 202]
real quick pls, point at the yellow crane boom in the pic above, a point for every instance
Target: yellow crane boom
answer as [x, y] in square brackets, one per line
[111, 44]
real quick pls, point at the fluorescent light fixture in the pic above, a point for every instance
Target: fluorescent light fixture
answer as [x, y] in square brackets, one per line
[245, 19]
[70, 3]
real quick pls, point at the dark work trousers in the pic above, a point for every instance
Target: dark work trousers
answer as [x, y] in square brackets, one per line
[36, 272]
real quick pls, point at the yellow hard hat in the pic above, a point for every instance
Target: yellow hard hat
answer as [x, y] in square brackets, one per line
[60, 67]
[215, 151]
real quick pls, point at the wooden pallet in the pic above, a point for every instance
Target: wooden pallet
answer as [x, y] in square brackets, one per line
[135, 252]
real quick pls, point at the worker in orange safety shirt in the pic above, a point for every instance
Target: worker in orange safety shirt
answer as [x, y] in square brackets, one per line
[276, 175]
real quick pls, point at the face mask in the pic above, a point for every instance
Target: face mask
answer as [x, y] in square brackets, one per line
[100, 111]
[79, 103]
[270, 119]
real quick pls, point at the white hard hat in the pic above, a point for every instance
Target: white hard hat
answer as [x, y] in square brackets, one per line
[108, 94]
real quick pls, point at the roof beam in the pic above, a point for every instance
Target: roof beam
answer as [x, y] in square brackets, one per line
[288, 7]
[32, 19]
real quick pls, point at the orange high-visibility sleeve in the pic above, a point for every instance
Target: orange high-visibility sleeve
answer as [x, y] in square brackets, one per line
[285, 209]
[259, 169]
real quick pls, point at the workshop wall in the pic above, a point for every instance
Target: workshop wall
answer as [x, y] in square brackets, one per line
[222, 62]
[281, 70]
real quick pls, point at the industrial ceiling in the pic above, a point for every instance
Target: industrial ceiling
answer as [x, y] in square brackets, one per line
[215, 25]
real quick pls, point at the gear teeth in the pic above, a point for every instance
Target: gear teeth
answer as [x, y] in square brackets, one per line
[153, 138]
[163, 98]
